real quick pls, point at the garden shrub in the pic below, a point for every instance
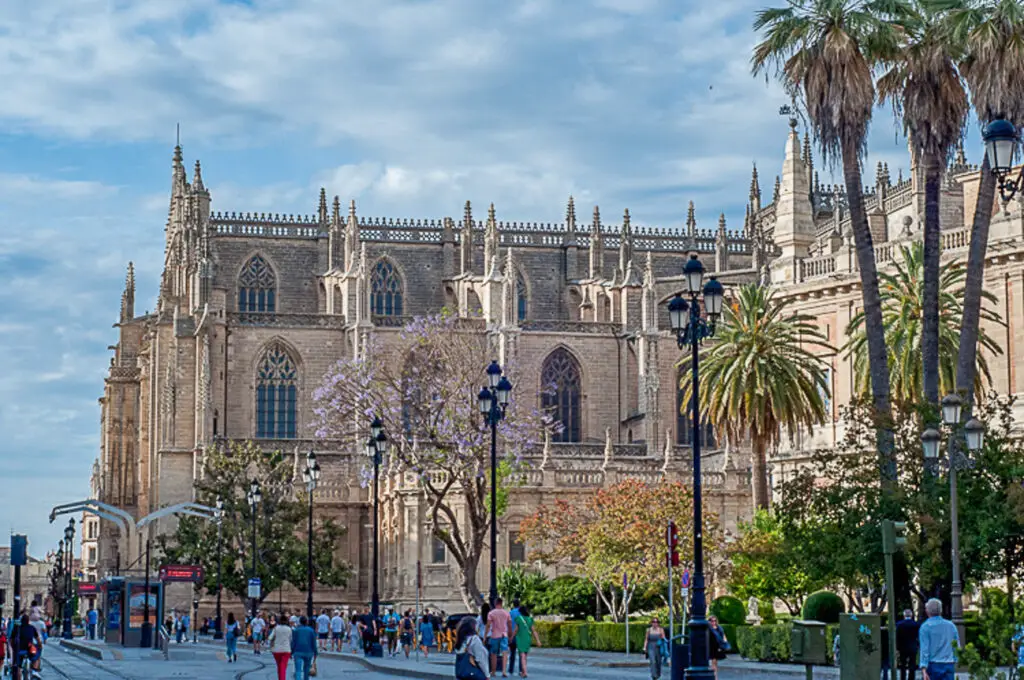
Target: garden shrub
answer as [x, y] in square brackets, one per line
[823, 606]
[728, 609]
[766, 610]
[570, 596]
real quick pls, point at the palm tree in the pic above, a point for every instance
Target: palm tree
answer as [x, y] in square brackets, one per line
[993, 32]
[925, 88]
[821, 50]
[903, 292]
[760, 376]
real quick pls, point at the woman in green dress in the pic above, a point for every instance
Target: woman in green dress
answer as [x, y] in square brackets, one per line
[526, 636]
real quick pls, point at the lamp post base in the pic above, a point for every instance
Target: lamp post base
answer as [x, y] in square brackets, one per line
[146, 635]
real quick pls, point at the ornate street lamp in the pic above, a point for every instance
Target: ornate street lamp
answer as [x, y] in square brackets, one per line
[311, 475]
[1001, 139]
[218, 514]
[69, 538]
[974, 434]
[492, 401]
[254, 497]
[690, 330]
[376, 450]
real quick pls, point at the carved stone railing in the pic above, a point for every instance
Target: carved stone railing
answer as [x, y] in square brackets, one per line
[124, 372]
[267, 225]
[384, 321]
[816, 267]
[589, 450]
[276, 320]
[955, 239]
[589, 478]
[566, 326]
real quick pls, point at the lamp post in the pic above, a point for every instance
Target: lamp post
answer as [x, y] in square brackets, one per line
[69, 538]
[218, 630]
[690, 330]
[59, 584]
[1001, 139]
[493, 400]
[311, 475]
[254, 496]
[974, 433]
[376, 447]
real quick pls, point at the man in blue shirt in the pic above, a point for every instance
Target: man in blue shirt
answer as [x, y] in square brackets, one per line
[91, 617]
[304, 649]
[939, 640]
[513, 613]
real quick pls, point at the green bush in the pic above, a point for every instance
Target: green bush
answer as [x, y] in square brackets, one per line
[772, 643]
[823, 606]
[766, 610]
[570, 596]
[728, 609]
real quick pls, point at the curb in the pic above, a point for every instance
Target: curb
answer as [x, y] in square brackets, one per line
[81, 648]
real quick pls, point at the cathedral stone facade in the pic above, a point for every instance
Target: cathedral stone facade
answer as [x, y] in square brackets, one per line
[254, 309]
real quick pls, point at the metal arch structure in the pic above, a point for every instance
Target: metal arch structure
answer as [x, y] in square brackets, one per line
[193, 509]
[123, 518]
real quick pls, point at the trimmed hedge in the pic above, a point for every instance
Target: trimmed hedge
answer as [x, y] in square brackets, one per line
[728, 609]
[588, 635]
[823, 606]
[773, 643]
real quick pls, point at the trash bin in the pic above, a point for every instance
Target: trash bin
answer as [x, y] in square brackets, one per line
[680, 659]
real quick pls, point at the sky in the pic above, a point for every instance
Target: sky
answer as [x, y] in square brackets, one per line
[410, 107]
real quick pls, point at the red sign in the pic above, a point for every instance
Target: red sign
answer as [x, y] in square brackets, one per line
[87, 588]
[185, 573]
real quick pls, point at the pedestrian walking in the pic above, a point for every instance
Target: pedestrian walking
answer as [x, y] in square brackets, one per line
[280, 642]
[355, 640]
[323, 628]
[907, 630]
[337, 631]
[655, 634]
[499, 624]
[231, 633]
[406, 627]
[938, 640]
[718, 644]
[470, 653]
[426, 635]
[524, 635]
[259, 625]
[512, 614]
[91, 618]
[304, 649]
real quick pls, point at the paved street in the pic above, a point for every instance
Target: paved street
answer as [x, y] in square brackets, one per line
[207, 661]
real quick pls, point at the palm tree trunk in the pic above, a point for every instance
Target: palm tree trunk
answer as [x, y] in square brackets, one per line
[878, 358]
[930, 292]
[968, 354]
[759, 474]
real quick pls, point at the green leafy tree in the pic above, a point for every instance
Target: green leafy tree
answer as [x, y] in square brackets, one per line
[823, 52]
[761, 377]
[281, 525]
[903, 311]
[992, 32]
[769, 565]
[926, 91]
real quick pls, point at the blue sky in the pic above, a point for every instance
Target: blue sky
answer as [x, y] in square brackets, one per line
[409, 106]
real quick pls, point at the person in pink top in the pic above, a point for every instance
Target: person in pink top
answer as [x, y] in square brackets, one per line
[499, 624]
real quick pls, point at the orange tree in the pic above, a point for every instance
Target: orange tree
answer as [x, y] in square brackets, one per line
[619, 530]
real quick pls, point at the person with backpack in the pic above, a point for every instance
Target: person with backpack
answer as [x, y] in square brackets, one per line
[231, 633]
[471, 657]
[406, 627]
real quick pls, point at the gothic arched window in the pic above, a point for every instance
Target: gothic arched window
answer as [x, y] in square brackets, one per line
[684, 421]
[276, 388]
[560, 383]
[521, 298]
[385, 290]
[257, 286]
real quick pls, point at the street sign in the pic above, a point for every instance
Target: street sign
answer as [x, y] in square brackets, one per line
[87, 588]
[686, 579]
[254, 588]
[19, 550]
[686, 593]
[181, 573]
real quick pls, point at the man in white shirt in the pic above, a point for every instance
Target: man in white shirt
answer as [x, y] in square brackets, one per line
[259, 624]
[294, 621]
[323, 626]
[337, 631]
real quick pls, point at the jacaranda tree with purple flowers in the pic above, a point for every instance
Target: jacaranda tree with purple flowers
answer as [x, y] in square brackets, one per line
[423, 388]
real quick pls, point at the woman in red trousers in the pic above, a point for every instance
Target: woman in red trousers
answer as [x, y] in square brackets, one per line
[280, 643]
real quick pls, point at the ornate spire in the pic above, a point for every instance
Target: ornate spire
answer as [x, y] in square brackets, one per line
[755, 189]
[128, 296]
[336, 211]
[721, 223]
[596, 251]
[777, 190]
[691, 220]
[492, 240]
[197, 178]
[625, 244]
[570, 215]
[322, 207]
[609, 449]
[352, 246]
[960, 160]
[466, 245]
[649, 271]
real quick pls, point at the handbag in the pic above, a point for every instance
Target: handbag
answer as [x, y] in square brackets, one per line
[466, 668]
[312, 668]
